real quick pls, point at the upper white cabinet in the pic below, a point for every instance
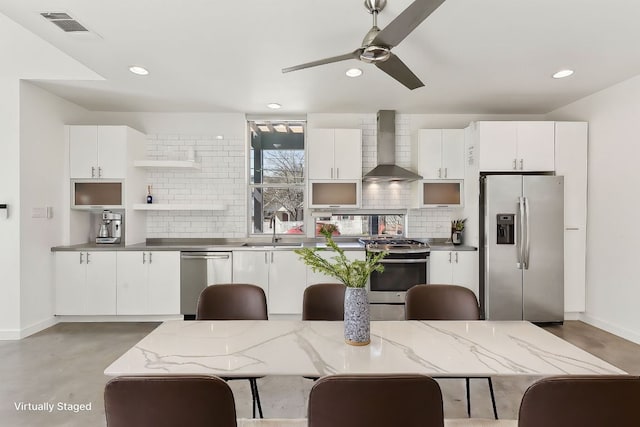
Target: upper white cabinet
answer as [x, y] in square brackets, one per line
[454, 268]
[571, 162]
[440, 153]
[516, 146]
[85, 283]
[334, 154]
[148, 282]
[98, 152]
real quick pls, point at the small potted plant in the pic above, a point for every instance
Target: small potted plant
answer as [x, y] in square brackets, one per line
[457, 227]
[354, 274]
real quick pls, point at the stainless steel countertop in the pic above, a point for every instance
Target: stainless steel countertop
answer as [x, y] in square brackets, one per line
[248, 244]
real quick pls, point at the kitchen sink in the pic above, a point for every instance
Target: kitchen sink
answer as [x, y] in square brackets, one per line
[271, 245]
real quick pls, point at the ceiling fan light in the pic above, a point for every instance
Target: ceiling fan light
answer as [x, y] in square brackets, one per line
[375, 54]
[354, 72]
[274, 106]
[562, 73]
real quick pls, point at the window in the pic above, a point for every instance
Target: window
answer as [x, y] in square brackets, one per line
[276, 181]
[362, 225]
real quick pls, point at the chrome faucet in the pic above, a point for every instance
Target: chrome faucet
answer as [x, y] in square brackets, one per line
[272, 223]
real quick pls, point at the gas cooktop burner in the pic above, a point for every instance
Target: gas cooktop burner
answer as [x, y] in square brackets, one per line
[391, 244]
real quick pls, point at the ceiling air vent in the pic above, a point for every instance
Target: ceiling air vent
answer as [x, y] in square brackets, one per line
[64, 21]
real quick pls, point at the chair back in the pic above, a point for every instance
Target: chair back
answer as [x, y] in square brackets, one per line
[441, 302]
[168, 401]
[235, 301]
[375, 401]
[582, 401]
[323, 301]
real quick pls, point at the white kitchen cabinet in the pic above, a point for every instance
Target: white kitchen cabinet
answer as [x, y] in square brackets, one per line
[287, 281]
[85, 283]
[454, 268]
[516, 146]
[571, 162]
[440, 153]
[316, 277]
[148, 282]
[334, 154]
[98, 152]
[280, 273]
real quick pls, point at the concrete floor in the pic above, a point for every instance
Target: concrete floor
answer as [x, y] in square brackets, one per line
[65, 364]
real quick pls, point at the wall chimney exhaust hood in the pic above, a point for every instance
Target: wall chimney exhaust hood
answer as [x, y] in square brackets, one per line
[387, 170]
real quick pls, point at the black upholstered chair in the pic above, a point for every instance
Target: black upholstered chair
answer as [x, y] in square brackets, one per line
[168, 401]
[375, 401]
[446, 302]
[323, 301]
[237, 301]
[582, 401]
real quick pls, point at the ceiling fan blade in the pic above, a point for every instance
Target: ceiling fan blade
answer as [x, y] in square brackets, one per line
[399, 71]
[352, 55]
[406, 22]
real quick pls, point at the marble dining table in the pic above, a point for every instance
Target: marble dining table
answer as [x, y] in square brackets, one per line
[246, 348]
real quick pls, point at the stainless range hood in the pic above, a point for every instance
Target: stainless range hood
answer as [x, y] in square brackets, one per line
[387, 170]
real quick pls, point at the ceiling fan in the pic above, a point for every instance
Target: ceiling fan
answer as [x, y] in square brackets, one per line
[377, 44]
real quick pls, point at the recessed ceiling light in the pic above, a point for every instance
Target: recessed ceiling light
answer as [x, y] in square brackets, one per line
[136, 69]
[562, 73]
[219, 136]
[354, 72]
[274, 106]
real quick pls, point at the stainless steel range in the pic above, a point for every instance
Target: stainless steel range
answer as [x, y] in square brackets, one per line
[406, 265]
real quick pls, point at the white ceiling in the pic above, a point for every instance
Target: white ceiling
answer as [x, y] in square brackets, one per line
[475, 56]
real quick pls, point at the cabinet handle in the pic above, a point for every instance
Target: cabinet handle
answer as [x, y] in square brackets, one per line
[449, 257]
[338, 173]
[99, 172]
[88, 259]
[144, 257]
[331, 172]
[439, 172]
[150, 259]
[445, 172]
[81, 257]
[515, 167]
[93, 172]
[456, 257]
[271, 257]
[521, 164]
[265, 258]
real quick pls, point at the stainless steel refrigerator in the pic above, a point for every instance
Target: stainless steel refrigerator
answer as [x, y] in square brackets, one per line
[522, 247]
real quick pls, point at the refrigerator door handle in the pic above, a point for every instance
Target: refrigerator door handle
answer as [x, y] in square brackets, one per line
[527, 246]
[520, 237]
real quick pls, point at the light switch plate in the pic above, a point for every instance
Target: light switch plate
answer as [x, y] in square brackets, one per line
[4, 211]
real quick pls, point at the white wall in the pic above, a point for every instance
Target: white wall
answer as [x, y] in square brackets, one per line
[10, 195]
[42, 183]
[613, 287]
[24, 56]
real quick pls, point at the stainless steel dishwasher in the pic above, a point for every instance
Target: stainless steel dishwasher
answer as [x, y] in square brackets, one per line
[199, 270]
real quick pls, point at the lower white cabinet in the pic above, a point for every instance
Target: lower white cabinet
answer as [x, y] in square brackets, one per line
[148, 282]
[454, 268]
[85, 283]
[280, 273]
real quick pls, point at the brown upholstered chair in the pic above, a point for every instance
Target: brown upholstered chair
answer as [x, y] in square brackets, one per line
[375, 400]
[446, 302]
[582, 401]
[168, 401]
[323, 301]
[235, 301]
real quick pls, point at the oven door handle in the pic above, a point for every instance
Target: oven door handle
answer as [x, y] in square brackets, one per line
[404, 261]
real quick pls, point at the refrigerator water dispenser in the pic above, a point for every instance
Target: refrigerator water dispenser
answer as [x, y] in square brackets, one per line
[504, 224]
